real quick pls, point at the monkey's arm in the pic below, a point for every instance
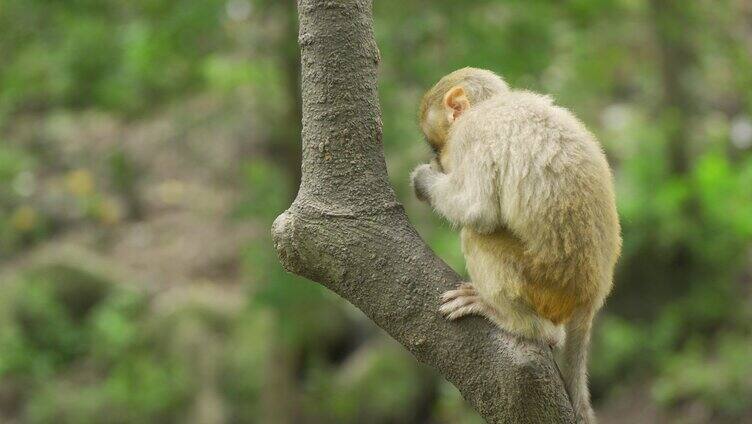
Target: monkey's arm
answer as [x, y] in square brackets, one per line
[465, 196]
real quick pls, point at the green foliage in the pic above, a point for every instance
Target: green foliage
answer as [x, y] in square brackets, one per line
[244, 373]
[379, 384]
[18, 221]
[721, 378]
[65, 318]
[110, 54]
[82, 350]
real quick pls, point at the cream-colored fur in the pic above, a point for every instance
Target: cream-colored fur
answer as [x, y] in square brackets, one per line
[531, 190]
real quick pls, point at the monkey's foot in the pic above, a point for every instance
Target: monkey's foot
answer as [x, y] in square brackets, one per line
[464, 300]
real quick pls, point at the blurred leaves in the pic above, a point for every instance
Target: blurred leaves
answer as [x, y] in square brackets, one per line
[74, 58]
[722, 378]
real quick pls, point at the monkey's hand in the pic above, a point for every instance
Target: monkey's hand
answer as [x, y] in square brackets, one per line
[421, 179]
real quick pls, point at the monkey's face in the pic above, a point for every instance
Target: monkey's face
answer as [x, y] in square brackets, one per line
[435, 130]
[446, 101]
[439, 116]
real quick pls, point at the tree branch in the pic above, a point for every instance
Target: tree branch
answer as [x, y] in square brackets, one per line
[347, 231]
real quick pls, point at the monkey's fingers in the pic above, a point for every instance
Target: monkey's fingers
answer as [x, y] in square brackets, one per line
[450, 306]
[454, 294]
[477, 308]
[464, 289]
[466, 285]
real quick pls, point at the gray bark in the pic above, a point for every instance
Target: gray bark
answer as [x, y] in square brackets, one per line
[347, 230]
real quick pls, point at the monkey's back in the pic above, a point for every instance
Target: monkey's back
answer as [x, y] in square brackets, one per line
[556, 197]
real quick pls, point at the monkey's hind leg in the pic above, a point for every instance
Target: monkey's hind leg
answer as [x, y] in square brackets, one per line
[465, 300]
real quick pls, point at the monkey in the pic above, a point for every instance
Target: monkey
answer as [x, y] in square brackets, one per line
[532, 192]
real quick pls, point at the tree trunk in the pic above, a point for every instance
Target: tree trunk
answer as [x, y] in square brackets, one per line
[282, 394]
[347, 231]
[671, 25]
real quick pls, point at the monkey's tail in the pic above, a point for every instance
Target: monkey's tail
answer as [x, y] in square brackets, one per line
[574, 367]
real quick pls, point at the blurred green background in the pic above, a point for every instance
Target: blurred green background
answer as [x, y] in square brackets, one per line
[146, 146]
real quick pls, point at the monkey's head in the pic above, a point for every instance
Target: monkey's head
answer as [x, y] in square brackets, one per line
[446, 101]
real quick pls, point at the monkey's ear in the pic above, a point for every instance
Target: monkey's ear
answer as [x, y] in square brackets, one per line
[455, 103]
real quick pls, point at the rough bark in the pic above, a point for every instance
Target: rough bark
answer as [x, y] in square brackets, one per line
[347, 230]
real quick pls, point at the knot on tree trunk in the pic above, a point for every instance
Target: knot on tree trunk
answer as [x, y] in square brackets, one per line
[283, 236]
